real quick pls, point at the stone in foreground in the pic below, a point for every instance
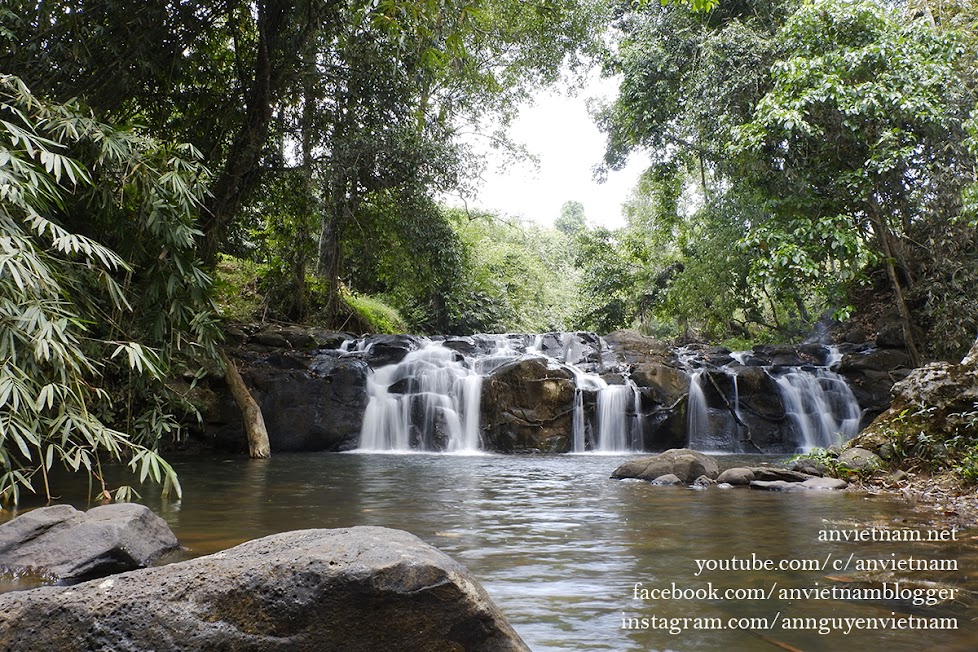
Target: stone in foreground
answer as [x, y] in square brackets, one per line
[362, 589]
[63, 543]
[684, 463]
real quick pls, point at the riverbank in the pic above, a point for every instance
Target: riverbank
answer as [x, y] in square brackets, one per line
[945, 500]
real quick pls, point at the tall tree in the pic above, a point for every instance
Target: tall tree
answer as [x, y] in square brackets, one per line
[861, 136]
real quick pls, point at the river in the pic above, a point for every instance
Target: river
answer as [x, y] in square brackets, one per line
[566, 552]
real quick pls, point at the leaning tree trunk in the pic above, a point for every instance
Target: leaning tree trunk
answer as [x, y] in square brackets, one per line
[254, 423]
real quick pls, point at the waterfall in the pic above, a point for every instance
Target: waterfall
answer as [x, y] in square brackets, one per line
[428, 401]
[821, 406]
[697, 412]
[613, 430]
[578, 445]
[431, 400]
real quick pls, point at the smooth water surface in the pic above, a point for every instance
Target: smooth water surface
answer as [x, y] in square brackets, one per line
[560, 547]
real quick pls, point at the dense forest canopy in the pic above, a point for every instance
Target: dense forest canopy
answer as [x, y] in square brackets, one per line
[168, 166]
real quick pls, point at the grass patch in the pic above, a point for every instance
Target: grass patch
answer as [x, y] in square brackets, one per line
[375, 314]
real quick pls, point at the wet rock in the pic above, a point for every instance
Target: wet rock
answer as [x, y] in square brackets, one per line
[704, 481]
[361, 589]
[825, 484]
[768, 474]
[315, 410]
[684, 463]
[737, 476]
[776, 485]
[811, 484]
[63, 543]
[633, 347]
[667, 480]
[665, 383]
[528, 406]
[463, 345]
[808, 467]
[860, 459]
[781, 355]
[389, 349]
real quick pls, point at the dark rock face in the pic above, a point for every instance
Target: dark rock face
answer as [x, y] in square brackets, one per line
[937, 399]
[62, 543]
[685, 464]
[362, 589]
[313, 409]
[528, 407]
[313, 393]
[635, 348]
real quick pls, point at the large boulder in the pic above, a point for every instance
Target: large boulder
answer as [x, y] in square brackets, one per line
[361, 589]
[685, 464]
[62, 543]
[635, 348]
[528, 406]
[937, 400]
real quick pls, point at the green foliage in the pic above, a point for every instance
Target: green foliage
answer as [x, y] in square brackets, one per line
[514, 277]
[931, 440]
[236, 290]
[857, 148]
[377, 315]
[82, 321]
[822, 137]
[572, 219]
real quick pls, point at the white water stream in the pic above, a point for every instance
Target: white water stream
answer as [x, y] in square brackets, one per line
[431, 399]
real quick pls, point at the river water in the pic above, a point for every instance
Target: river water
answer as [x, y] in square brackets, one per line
[560, 547]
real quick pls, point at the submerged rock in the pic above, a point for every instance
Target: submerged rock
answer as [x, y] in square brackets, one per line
[684, 463]
[63, 543]
[812, 484]
[361, 589]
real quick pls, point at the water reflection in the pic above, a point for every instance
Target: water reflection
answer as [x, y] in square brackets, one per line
[560, 546]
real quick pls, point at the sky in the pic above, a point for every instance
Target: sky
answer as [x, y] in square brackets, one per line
[559, 131]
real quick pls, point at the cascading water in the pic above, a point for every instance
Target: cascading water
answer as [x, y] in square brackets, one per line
[430, 400]
[614, 433]
[821, 405]
[697, 413]
[818, 405]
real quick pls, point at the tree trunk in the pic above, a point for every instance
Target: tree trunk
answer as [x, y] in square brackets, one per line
[254, 423]
[972, 357]
[885, 237]
[240, 172]
[329, 260]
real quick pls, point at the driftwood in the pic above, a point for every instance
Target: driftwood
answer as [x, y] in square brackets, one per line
[254, 423]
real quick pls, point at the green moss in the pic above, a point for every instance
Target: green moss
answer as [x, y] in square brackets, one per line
[375, 314]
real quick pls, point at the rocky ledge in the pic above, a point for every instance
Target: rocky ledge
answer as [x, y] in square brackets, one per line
[358, 589]
[683, 466]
